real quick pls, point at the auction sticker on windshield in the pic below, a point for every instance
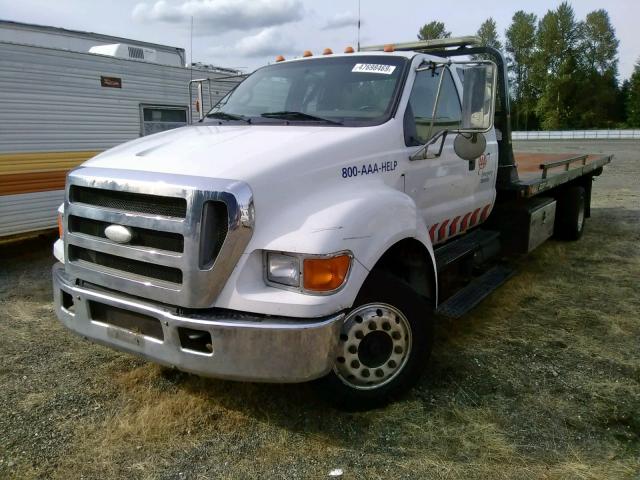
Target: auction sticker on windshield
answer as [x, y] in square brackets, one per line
[373, 68]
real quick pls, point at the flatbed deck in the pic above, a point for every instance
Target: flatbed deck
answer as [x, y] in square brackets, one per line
[538, 172]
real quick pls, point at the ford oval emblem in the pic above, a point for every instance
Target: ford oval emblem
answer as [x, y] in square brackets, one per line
[118, 233]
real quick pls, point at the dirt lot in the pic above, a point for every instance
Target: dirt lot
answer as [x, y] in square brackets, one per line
[541, 381]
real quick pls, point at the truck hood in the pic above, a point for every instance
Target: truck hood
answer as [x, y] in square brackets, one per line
[241, 152]
[291, 170]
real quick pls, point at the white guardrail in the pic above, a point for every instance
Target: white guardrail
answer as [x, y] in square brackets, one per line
[577, 135]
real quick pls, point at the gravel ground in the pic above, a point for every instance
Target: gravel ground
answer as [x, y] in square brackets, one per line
[541, 381]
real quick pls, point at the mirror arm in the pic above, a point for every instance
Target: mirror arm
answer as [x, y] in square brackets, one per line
[421, 153]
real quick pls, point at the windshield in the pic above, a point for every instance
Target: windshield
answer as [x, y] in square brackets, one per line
[354, 91]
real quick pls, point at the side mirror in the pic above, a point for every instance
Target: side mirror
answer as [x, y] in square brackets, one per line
[469, 146]
[478, 97]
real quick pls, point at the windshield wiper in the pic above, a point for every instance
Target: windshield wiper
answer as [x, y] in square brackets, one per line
[290, 115]
[228, 116]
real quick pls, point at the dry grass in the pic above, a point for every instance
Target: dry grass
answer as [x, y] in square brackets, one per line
[542, 381]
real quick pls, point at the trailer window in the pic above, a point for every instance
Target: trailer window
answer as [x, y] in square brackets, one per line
[423, 96]
[160, 118]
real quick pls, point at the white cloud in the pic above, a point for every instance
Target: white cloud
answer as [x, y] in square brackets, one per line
[267, 42]
[340, 20]
[219, 16]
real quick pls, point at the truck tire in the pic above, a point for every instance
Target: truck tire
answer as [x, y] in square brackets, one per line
[570, 214]
[384, 345]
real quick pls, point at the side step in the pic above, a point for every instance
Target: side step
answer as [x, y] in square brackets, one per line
[467, 244]
[471, 295]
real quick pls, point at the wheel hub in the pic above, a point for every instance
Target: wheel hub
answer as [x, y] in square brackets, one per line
[374, 346]
[375, 349]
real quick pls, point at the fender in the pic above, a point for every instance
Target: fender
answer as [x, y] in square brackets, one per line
[367, 221]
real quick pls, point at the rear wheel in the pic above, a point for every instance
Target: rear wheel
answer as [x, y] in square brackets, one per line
[570, 214]
[384, 345]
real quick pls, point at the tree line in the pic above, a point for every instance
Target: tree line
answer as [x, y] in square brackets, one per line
[563, 71]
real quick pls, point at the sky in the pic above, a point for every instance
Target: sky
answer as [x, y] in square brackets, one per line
[249, 33]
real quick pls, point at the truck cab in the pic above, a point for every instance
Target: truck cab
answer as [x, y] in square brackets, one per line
[292, 234]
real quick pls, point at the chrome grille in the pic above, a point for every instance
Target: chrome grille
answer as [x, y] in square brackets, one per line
[187, 233]
[129, 202]
[143, 269]
[142, 237]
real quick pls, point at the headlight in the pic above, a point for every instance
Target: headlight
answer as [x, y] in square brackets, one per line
[319, 274]
[283, 269]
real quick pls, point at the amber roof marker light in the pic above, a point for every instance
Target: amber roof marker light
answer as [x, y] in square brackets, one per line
[349, 50]
[280, 58]
[327, 51]
[388, 48]
[307, 53]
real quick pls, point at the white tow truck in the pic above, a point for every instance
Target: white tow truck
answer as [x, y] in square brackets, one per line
[314, 223]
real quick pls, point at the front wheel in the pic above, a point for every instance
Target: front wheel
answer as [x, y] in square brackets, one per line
[385, 343]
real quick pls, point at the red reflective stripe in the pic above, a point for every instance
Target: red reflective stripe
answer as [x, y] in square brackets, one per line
[474, 217]
[432, 232]
[442, 231]
[463, 224]
[485, 213]
[453, 228]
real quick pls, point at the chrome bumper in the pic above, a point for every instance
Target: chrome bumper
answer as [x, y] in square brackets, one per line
[251, 349]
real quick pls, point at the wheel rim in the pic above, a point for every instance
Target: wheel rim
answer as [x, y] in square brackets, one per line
[580, 216]
[375, 344]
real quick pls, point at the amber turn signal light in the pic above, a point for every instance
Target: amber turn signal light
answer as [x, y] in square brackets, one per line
[325, 274]
[60, 227]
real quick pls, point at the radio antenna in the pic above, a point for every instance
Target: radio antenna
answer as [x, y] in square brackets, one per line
[191, 48]
[358, 25]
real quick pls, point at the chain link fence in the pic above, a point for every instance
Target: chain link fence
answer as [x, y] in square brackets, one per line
[577, 135]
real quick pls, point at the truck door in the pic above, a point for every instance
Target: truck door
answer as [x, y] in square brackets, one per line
[451, 193]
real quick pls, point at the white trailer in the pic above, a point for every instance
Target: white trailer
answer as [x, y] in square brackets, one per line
[61, 107]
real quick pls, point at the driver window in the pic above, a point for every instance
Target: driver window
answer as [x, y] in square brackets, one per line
[420, 108]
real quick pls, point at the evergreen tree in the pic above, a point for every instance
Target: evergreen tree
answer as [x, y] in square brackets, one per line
[599, 105]
[520, 47]
[633, 98]
[557, 68]
[599, 45]
[488, 34]
[433, 30]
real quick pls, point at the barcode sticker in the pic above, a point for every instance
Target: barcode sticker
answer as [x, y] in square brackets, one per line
[373, 68]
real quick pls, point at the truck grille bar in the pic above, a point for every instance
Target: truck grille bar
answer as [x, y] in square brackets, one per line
[187, 233]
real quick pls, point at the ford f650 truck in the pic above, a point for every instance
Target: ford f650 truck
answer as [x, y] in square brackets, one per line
[313, 224]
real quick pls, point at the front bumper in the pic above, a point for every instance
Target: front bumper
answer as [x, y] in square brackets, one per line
[251, 348]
